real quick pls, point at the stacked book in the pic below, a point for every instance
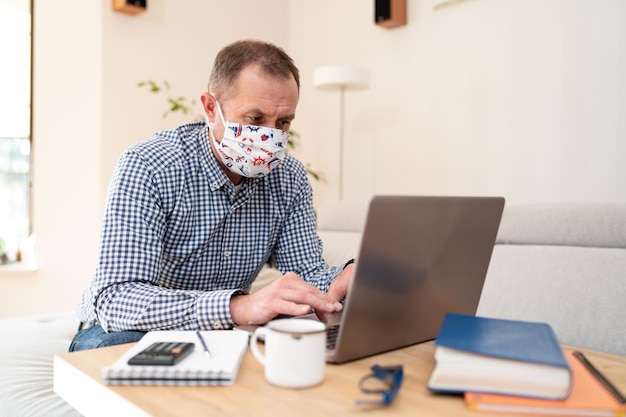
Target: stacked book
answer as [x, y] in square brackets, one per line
[518, 366]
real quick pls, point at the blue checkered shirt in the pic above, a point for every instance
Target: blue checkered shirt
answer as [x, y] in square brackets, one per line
[178, 240]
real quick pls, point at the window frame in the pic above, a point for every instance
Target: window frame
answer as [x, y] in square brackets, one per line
[14, 261]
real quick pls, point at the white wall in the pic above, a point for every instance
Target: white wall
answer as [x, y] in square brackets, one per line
[525, 99]
[173, 41]
[521, 98]
[88, 109]
[67, 200]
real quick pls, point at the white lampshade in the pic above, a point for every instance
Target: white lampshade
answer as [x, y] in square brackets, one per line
[336, 77]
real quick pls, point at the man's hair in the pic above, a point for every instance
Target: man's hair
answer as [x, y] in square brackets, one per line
[233, 58]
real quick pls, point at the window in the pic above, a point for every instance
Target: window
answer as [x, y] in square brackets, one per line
[15, 126]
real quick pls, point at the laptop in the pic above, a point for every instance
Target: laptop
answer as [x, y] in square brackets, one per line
[420, 257]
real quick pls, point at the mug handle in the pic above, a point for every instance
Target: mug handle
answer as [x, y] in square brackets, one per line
[254, 345]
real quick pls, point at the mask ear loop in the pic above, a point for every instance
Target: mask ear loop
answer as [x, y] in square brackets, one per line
[221, 115]
[219, 110]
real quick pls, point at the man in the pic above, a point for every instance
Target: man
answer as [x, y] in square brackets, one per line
[194, 213]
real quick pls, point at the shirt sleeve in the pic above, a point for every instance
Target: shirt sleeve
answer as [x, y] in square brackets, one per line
[299, 248]
[125, 291]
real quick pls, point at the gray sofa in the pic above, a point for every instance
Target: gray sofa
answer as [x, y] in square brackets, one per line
[565, 265]
[561, 264]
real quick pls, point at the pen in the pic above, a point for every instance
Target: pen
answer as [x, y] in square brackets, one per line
[204, 346]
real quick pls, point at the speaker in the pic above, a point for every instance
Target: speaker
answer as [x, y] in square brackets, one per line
[383, 10]
[130, 6]
[390, 13]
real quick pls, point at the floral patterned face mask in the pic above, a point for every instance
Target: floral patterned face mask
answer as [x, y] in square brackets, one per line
[248, 150]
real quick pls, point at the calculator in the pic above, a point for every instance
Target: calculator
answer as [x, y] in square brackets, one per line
[163, 354]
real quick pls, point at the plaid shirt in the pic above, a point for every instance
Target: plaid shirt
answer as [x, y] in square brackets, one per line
[178, 240]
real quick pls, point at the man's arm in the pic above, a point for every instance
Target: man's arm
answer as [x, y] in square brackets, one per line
[288, 295]
[308, 283]
[126, 291]
[141, 306]
[299, 248]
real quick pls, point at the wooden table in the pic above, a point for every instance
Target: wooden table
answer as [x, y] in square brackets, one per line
[77, 379]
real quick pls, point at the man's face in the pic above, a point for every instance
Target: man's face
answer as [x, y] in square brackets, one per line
[256, 99]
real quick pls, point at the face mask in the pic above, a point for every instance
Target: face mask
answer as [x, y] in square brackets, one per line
[251, 151]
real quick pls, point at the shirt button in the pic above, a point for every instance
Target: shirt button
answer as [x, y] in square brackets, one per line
[227, 253]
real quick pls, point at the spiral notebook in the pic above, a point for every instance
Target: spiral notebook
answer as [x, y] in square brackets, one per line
[227, 349]
[592, 395]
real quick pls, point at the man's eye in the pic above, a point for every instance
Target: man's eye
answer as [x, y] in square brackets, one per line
[254, 120]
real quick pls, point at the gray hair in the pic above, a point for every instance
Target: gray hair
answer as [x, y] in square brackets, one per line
[233, 58]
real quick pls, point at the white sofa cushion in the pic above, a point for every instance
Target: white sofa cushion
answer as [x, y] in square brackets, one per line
[579, 291]
[340, 226]
[26, 352]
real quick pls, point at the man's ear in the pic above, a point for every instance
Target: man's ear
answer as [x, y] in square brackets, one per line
[208, 106]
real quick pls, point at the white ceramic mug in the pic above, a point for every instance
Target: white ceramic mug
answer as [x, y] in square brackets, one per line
[295, 352]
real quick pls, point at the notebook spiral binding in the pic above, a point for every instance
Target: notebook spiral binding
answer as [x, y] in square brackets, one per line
[165, 376]
[600, 377]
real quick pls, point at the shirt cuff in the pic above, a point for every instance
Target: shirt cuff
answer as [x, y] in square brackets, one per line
[214, 309]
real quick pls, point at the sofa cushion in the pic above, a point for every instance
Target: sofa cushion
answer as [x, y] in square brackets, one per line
[26, 351]
[342, 216]
[340, 226]
[564, 264]
[339, 247]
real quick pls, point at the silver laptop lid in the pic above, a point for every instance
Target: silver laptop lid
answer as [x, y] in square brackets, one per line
[420, 257]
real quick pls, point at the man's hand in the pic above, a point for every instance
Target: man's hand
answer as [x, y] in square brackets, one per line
[338, 289]
[289, 295]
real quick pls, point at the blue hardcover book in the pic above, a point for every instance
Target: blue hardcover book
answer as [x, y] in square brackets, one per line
[513, 357]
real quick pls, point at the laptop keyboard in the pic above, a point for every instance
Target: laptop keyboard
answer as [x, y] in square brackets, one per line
[331, 336]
